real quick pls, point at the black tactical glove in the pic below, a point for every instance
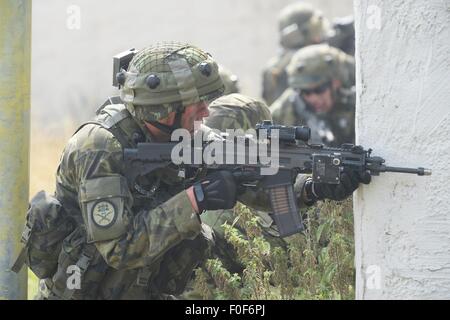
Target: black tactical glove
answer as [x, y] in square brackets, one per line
[216, 191]
[349, 182]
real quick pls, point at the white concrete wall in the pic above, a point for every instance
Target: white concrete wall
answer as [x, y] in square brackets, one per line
[402, 222]
[72, 67]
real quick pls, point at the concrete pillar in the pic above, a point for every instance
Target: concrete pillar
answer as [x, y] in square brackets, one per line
[402, 222]
[15, 62]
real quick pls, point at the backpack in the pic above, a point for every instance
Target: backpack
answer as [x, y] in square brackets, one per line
[47, 225]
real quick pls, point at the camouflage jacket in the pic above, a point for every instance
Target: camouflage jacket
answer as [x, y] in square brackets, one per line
[332, 129]
[274, 77]
[131, 242]
[126, 233]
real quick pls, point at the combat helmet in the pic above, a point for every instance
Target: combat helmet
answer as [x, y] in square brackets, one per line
[168, 77]
[316, 65]
[236, 111]
[300, 24]
[230, 80]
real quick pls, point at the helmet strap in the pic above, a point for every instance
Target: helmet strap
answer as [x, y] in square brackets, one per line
[166, 128]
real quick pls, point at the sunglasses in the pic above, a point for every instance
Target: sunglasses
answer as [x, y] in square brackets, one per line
[317, 90]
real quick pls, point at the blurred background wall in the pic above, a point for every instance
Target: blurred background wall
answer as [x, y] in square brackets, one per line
[73, 43]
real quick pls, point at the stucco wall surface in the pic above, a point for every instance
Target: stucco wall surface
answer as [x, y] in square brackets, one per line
[402, 222]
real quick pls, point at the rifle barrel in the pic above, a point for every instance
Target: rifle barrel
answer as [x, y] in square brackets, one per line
[419, 171]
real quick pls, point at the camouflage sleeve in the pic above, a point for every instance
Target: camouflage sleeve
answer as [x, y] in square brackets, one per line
[283, 110]
[125, 239]
[151, 233]
[258, 198]
[274, 76]
[269, 82]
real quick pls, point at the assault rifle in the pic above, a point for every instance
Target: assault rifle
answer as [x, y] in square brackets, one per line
[295, 156]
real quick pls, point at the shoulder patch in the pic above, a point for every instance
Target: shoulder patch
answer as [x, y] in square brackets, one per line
[104, 202]
[104, 214]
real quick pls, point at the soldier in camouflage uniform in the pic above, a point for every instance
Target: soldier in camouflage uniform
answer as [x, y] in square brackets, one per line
[237, 111]
[142, 239]
[321, 95]
[300, 25]
[138, 241]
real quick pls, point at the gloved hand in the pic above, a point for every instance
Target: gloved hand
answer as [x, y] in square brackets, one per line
[349, 182]
[216, 191]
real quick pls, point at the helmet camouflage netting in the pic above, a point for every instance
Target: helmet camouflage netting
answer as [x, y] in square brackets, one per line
[315, 65]
[168, 77]
[300, 24]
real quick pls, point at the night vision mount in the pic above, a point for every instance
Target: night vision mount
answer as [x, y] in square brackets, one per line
[120, 63]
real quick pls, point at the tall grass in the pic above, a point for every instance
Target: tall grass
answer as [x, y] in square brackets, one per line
[317, 264]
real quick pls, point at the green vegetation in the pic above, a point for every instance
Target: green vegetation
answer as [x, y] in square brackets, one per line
[317, 264]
